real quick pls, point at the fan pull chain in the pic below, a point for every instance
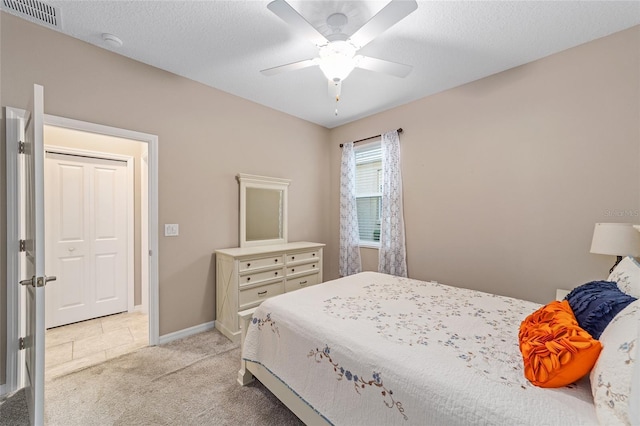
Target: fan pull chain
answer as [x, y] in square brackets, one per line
[335, 88]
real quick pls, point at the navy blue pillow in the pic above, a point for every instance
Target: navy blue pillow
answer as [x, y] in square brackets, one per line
[596, 303]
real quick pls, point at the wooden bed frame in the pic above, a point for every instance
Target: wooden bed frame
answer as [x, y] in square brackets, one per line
[250, 370]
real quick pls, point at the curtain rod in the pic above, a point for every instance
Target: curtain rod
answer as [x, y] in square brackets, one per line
[370, 137]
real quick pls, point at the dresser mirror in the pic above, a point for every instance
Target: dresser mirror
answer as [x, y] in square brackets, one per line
[263, 210]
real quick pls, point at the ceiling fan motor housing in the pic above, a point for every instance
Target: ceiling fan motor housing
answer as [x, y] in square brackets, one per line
[337, 21]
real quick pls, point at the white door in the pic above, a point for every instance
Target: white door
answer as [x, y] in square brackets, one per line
[86, 228]
[35, 278]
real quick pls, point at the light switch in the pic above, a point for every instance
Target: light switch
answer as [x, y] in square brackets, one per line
[171, 230]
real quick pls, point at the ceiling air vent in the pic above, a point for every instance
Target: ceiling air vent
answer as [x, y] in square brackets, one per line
[35, 11]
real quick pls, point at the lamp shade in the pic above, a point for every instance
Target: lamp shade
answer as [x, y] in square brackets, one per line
[337, 60]
[616, 239]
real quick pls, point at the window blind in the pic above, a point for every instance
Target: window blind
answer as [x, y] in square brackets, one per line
[369, 190]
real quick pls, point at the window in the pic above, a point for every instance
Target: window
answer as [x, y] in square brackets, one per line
[369, 192]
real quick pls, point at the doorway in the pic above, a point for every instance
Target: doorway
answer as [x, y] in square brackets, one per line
[148, 245]
[93, 223]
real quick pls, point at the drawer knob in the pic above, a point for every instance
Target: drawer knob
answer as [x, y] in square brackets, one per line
[262, 293]
[248, 278]
[313, 254]
[293, 258]
[293, 270]
[248, 265]
[313, 266]
[276, 272]
[276, 260]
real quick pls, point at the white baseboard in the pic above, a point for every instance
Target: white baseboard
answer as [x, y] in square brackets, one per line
[166, 338]
[139, 308]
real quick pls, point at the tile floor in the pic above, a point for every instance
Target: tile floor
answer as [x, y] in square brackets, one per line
[76, 346]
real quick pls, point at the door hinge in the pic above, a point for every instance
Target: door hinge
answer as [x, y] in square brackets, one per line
[21, 147]
[21, 343]
[23, 245]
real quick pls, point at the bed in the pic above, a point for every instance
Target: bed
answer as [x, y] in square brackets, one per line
[378, 349]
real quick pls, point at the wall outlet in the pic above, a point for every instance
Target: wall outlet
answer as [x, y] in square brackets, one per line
[171, 230]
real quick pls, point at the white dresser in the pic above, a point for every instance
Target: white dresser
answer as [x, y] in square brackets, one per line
[245, 277]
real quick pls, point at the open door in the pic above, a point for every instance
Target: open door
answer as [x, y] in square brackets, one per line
[34, 279]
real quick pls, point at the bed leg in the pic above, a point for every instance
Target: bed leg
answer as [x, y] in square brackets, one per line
[244, 376]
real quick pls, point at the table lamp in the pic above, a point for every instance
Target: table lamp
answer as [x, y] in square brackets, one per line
[616, 239]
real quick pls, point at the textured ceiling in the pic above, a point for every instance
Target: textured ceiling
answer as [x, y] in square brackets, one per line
[224, 44]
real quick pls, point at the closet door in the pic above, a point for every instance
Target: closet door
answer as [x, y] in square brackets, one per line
[86, 225]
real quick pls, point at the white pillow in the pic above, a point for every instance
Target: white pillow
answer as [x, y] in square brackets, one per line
[611, 377]
[634, 400]
[627, 275]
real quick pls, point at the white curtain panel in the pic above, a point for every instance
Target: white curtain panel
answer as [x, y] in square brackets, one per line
[349, 235]
[392, 255]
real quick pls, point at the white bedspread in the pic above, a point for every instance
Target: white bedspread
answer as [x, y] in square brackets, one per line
[373, 349]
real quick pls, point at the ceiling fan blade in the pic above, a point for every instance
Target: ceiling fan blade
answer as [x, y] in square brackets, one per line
[391, 14]
[300, 25]
[289, 67]
[387, 67]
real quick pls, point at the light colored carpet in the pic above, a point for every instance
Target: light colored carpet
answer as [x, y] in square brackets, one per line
[186, 382]
[13, 409]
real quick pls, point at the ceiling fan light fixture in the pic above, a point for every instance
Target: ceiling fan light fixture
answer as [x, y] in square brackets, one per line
[337, 60]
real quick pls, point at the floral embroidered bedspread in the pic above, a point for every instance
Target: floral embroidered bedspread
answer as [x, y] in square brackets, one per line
[373, 349]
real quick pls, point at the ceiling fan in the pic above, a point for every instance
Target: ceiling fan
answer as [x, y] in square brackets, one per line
[337, 52]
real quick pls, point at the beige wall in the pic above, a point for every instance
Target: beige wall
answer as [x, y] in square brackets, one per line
[61, 137]
[206, 137]
[505, 177]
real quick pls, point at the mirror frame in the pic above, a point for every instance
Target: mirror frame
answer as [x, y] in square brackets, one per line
[262, 182]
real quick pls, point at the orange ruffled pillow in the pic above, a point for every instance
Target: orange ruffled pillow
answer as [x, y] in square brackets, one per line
[556, 351]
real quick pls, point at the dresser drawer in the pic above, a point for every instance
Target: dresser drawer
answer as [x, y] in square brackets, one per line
[257, 277]
[301, 257]
[254, 296]
[292, 284]
[264, 262]
[305, 267]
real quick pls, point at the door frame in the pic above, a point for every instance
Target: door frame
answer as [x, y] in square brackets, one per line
[14, 119]
[14, 378]
[129, 160]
